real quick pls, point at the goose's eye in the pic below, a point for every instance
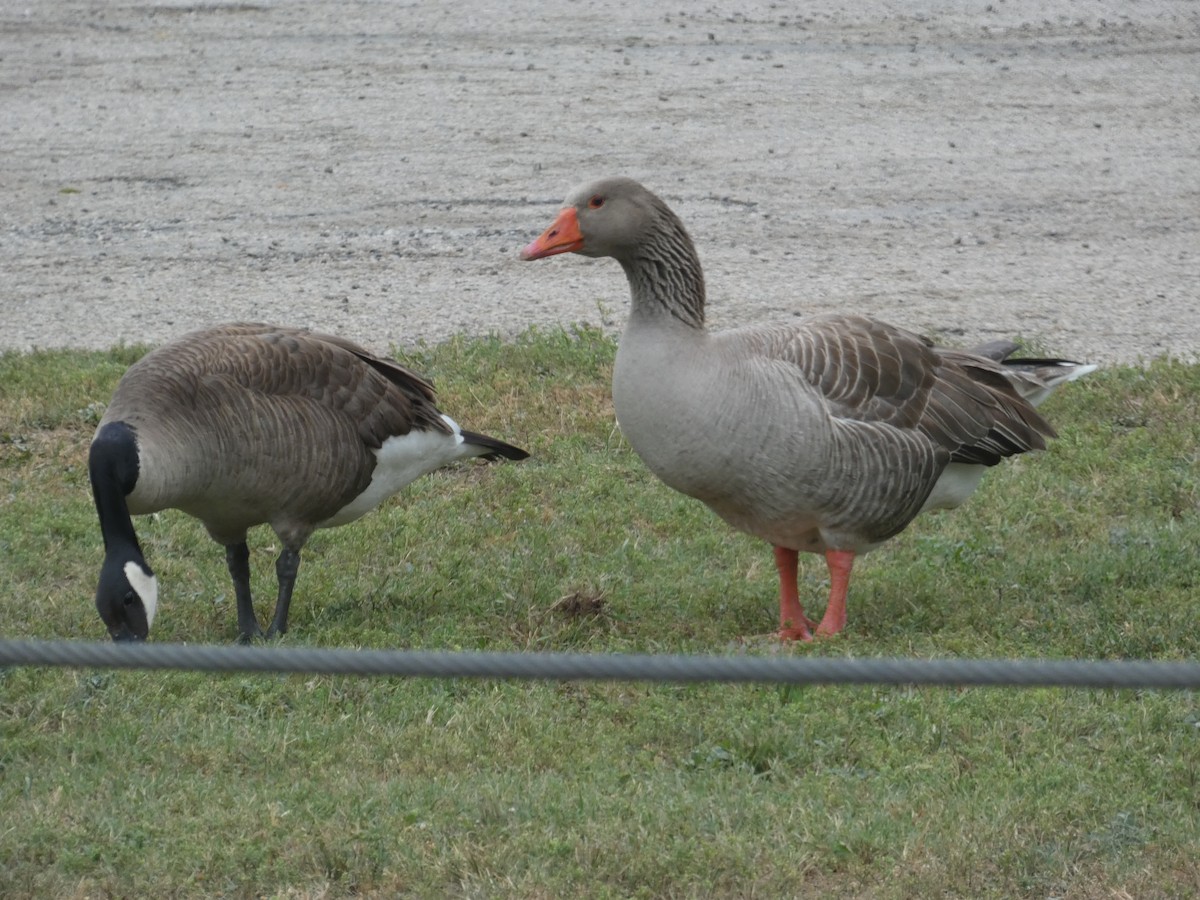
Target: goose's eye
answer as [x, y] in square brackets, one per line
[596, 202]
[128, 599]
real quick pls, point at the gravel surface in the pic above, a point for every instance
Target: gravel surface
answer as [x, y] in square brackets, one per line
[969, 170]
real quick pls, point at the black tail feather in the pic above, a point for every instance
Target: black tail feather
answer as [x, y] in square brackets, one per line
[496, 449]
[1000, 351]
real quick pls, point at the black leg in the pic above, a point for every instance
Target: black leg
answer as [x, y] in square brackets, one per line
[237, 557]
[286, 568]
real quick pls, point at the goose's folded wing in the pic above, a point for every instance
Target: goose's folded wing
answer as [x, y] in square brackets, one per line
[871, 372]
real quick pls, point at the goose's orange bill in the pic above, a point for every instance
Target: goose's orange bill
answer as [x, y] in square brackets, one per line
[561, 237]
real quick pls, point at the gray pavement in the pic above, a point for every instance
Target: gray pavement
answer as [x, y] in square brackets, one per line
[969, 170]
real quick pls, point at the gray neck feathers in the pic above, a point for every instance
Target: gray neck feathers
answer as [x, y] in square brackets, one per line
[664, 273]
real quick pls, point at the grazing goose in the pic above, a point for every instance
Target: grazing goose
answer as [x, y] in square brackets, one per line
[827, 435]
[249, 424]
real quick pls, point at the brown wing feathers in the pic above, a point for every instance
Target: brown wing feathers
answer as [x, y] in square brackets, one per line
[382, 399]
[872, 372]
[980, 410]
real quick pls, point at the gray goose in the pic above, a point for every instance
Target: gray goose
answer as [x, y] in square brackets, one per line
[248, 424]
[828, 435]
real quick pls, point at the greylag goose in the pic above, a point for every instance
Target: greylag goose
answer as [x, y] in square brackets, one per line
[248, 424]
[828, 435]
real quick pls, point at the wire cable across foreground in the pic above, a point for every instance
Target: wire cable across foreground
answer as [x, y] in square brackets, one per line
[809, 670]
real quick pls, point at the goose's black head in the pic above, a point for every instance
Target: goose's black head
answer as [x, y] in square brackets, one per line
[127, 598]
[127, 595]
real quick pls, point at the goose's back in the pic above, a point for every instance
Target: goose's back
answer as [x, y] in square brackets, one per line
[247, 423]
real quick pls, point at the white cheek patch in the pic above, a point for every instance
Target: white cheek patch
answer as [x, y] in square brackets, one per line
[146, 586]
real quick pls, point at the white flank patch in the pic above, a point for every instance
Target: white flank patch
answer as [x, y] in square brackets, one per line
[146, 586]
[400, 461]
[957, 482]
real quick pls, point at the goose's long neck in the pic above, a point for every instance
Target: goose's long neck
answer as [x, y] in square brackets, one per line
[113, 470]
[665, 275]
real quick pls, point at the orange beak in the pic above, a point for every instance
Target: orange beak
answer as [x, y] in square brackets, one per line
[561, 237]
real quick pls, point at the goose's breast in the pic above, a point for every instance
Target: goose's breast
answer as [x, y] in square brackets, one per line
[738, 432]
[662, 403]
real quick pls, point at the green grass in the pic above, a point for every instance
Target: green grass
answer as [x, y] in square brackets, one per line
[189, 785]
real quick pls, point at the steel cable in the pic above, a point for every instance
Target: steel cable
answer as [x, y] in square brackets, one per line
[612, 666]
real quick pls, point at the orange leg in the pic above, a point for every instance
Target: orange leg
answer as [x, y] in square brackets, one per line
[793, 624]
[839, 562]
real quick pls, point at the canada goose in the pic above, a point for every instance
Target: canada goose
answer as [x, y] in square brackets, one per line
[828, 435]
[248, 424]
